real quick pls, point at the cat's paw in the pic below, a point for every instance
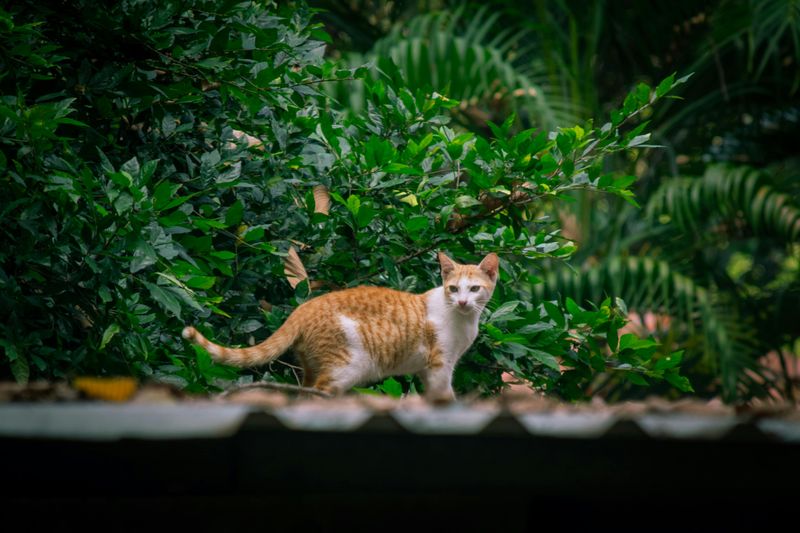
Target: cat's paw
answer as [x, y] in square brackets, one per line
[441, 399]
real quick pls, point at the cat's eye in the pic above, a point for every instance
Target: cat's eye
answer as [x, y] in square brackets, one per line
[453, 288]
[475, 288]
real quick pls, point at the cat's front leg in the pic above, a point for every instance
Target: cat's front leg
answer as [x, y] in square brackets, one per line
[438, 382]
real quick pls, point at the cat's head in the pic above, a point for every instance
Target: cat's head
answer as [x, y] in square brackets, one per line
[467, 288]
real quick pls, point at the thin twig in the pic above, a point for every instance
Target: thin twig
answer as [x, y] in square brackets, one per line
[290, 365]
[293, 368]
[418, 253]
[286, 387]
[312, 82]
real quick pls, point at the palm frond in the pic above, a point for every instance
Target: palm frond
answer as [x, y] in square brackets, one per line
[727, 193]
[473, 63]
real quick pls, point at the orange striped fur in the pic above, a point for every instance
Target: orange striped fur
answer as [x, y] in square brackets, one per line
[364, 334]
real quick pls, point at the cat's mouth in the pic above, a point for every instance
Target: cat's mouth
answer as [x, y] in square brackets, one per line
[464, 309]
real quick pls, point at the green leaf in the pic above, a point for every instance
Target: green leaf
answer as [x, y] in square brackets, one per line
[621, 305]
[206, 224]
[225, 256]
[631, 341]
[681, 383]
[366, 214]
[20, 369]
[547, 164]
[605, 180]
[639, 139]
[252, 235]
[481, 180]
[147, 171]
[231, 174]
[353, 204]
[496, 130]
[72, 122]
[465, 201]
[233, 216]
[202, 358]
[399, 168]
[642, 94]
[165, 299]
[378, 152]
[612, 337]
[670, 361]
[545, 358]
[164, 193]
[665, 86]
[502, 313]
[249, 326]
[130, 167]
[636, 379]
[495, 332]
[508, 122]
[201, 282]
[572, 307]
[144, 255]
[123, 203]
[554, 313]
[105, 294]
[564, 142]
[416, 223]
[392, 387]
[108, 334]
[623, 182]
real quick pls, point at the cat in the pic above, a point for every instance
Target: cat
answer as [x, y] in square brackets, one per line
[364, 334]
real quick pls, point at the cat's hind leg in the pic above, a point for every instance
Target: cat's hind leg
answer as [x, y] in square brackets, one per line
[338, 356]
[336, 370]
[346, 362]
[336, 379]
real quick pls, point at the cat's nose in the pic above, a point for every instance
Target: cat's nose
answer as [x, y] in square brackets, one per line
[462, 303]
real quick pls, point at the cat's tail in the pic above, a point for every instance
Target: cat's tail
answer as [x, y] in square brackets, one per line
[270, 349]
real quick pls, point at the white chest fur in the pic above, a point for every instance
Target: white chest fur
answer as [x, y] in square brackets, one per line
[455, 331]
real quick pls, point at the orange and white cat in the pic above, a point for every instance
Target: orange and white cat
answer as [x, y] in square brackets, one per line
[363, 334]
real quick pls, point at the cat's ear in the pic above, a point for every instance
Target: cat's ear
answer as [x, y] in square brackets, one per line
[447, 264]
[490, 266]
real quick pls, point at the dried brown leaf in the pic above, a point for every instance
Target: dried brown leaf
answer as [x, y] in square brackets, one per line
[293, 268]
[251, 141]
[322, 199]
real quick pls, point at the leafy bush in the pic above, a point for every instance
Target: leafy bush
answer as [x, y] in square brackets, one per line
[162, 161]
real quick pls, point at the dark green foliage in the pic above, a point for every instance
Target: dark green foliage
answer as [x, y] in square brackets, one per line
[717, 340]
[160, 158]
[561, 349]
